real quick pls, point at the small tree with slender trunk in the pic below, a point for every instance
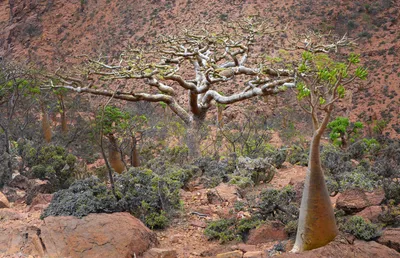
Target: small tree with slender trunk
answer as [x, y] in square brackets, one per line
[321, 82]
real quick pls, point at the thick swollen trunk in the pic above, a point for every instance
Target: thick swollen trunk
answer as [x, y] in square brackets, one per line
[64, 126]
[317, 224]
[114, 156]
[135, 161]
[46, 126]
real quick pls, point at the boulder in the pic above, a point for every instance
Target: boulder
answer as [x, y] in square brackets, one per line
[160, 253]
[340, 248]
[352, 201]
[355, 200]
[271, 231]
[4, 203]
[22, 241]
[96, 235]
[234, 254]
[391, 238]
[371, 213]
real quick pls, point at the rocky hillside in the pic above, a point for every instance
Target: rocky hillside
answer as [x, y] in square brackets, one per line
[50, 32]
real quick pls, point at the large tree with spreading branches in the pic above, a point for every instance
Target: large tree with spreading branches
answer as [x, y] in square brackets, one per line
[196, 63]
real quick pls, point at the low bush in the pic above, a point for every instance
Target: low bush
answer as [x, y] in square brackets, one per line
[298, 155]
[361, 228]
[149, 196]
[252, 171]
[53, 163]
[277, 204]
[226, 230]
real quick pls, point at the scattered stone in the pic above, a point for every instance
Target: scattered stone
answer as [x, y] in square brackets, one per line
[206, 210]
[225, 213]
[255, 254]
[4, 203]
[9, 214]
[234, 254]
[40, 201]
[271, 231]
[223, 193]
[391, 238]
[38, 207]
[198, 223]
[96, 235]
[177, 238]
[20, 182]
[37, 186]
[371, 213]
[339, 249]
[246, 248]
[14, 194]
[160, 253]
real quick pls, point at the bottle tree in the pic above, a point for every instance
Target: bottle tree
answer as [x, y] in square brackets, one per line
[321, 83]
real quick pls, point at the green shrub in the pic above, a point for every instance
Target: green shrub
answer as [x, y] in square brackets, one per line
[157, 220]
[360, 178]
[390, 216]
[291, 228]
[214, 172]
[222, 230]
[392, 190]
[149, 196]
[83, 197]
[277, 204]
[53, 163]
[361, 229]
[226, 230]
[252, 171]
[298, 155]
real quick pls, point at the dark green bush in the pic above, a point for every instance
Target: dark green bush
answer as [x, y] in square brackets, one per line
[149, 196]
[252, 171]
[214, 172]
[392, 190]
[226, 230]
[361, 229]
[277, 204]
[53, 163]
[83, 197]
[222, 230]
[298, 155]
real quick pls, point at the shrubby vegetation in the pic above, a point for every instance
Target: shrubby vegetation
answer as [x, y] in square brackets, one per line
[50, 162]
[149, 195]
[226, 230]
[361, 228]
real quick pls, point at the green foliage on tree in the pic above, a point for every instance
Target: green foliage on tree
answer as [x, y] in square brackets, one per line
[342, 131]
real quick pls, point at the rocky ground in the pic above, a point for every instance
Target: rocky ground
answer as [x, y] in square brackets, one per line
[24, 234]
